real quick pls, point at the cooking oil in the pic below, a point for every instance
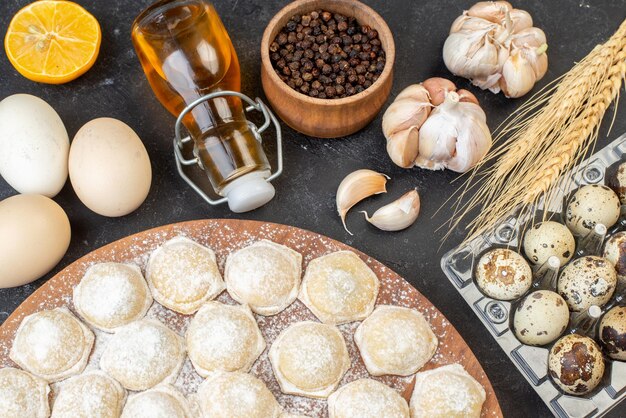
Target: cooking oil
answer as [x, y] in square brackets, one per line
[186, 53]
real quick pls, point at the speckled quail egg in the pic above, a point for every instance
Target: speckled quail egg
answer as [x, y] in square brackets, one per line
[540, 318]
[592, 204]
[613, 333]
[546, 239]
[587, 281]
[576, 364]
[615, 252]
[616, 180]
[503, 274]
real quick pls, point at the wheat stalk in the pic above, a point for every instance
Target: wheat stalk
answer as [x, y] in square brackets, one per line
[544, 139]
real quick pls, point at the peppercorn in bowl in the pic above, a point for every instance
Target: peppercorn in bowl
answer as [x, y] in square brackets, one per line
[327, 66]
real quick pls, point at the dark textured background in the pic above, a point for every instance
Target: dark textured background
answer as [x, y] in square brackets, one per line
[116, 87]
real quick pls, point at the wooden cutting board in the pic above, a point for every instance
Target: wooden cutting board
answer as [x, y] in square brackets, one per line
[224, 237]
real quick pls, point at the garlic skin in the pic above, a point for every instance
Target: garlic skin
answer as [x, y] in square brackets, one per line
[497, 48]
[452, 135]
[397, 215]
[355, 187]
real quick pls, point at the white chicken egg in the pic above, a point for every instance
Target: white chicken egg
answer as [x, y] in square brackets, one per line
[503, 274]
[590, 205]
[615, 252]
[587, 281]
[576, 364]
[612, 333]
[35, 235]
[546, 239]
[33, 145]
[540, 318]
[109, 167]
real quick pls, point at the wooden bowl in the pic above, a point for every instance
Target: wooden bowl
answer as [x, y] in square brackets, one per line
[327, 118]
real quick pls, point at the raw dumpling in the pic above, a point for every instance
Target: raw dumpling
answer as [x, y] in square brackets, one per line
[367, 398]
[265, 276]
[395, 340]
[309, 359]
[447, 392]
[236, 395]
[161, 402]
[111, 295]
[142, 354]
[223, 337]
[53, 345]
[183, 275]
[23, 395]
[92, 394]
[339, 288]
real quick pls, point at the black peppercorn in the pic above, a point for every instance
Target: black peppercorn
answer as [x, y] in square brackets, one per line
[327, 55]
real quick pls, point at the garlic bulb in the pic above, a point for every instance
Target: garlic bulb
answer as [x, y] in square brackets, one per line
[397, 215]
[355, 187]
[497, 48]
[433, 126]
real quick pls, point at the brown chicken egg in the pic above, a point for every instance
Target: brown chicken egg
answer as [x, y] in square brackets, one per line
[587, 281]
[613, 333]
[576, 364]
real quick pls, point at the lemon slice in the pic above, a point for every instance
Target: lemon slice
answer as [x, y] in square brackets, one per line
[53, 41]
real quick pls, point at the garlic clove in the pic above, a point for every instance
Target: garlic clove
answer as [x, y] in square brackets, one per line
[530, 37]
[355, 187]
[437, 88]
[415, 92]
[402, 147]
[518, 76]
[397, 215]
[466, 96]
[465, 23]
[403, 114]
[493, 11]
[521, 19]
[471, 55]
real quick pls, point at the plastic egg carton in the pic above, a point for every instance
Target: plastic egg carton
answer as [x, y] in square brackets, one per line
[496, 316]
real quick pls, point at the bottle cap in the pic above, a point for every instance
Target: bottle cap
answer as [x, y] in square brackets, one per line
[249, 192]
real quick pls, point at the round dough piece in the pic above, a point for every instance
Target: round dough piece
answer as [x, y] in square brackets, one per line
[164, 401]
[111, 295]
[367, 398]
[23, 395]
[339, 288]
[223, 338]
[92, 394]
[309, 359]
[447, 392]
[142, 354]
[395, 340]
[183, 275]
[53, 345]
[265, 276]
[236, 394]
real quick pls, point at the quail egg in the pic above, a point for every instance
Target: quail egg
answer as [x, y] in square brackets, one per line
[615, 252]
[576, 364]
[587, 281]
[613, 333]
[592, 204]
[540, 318]
[616, 180]
[546, 239]
[503, 274]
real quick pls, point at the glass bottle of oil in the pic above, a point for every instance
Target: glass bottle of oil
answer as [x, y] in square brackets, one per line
[186, 53]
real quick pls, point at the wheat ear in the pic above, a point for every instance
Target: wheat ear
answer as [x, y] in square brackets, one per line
[544, 139]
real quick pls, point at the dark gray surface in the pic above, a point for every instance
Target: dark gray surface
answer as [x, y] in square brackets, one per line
[116, 87]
